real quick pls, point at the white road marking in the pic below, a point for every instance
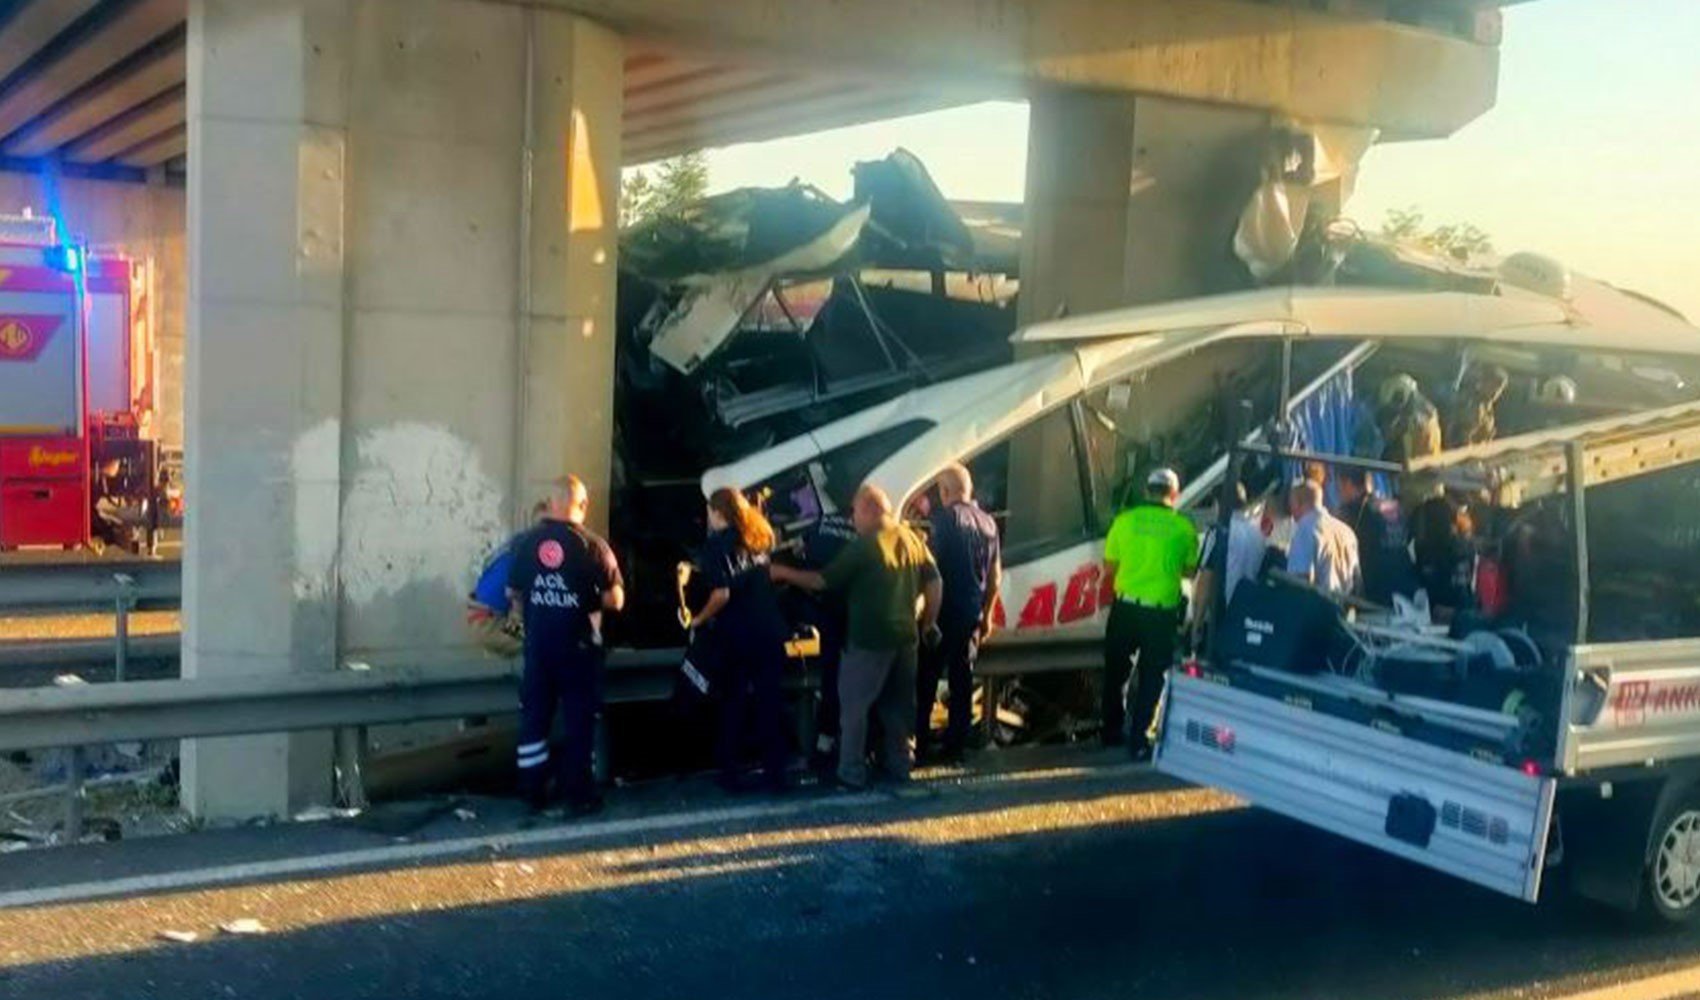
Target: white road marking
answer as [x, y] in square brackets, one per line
[402, 853]
[1681, 983]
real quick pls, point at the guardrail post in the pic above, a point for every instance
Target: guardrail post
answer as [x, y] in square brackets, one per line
[121, 627]
[74, 795]
[351, 746]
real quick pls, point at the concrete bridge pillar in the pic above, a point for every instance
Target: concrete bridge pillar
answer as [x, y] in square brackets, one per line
[1133, 199]
[1130, 200]
[401, 237]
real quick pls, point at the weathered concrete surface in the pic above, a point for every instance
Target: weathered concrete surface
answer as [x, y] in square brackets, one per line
[1129, 200]
[402, 324]
[1349, 67]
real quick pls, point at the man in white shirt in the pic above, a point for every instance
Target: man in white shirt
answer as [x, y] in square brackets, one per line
[1324, 551]
[1246, 548]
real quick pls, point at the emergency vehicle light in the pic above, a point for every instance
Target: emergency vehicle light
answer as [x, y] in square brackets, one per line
[65, 257]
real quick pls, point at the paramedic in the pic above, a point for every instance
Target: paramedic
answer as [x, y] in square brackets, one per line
[964, 543]
[563, 575]
[884, 575]
[821, 545]
[743, 615]
[1379, 525]
[1150, 551]
[1324, 552]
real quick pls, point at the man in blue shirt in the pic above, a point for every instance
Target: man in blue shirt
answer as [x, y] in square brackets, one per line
[964, 542]
[488, 608]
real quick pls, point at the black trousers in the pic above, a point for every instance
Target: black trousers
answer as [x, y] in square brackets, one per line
[750, 680]
[569, 677]
[952, 659]
[827, 710]
[1148, 636]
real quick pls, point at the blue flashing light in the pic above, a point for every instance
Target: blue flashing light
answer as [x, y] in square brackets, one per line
[66, 257]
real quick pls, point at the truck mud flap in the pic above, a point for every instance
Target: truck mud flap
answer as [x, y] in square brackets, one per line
[1479, 821]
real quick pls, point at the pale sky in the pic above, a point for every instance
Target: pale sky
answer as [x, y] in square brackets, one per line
[1592, 154]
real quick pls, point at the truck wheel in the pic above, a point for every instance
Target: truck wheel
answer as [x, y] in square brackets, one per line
[1673, 870]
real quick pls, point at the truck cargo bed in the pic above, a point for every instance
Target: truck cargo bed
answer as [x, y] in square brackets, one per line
[1482, 820]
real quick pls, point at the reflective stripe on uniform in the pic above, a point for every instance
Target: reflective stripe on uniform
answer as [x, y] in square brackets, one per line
[528, 749]
[535, 760]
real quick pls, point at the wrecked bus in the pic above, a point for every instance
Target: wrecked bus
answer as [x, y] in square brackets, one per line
[1466, 786]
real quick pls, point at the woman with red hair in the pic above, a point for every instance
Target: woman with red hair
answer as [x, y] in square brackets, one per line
[749, 634]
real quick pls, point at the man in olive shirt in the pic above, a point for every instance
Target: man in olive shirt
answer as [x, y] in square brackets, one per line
[885, 575]
[1151, 549]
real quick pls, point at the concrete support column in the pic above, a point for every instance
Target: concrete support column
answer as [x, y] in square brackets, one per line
[567, 305]
[1130, 200]
[402, 247]
[264, 353]
[1133, 199]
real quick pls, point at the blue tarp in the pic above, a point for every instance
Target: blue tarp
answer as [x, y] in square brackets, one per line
[1328, 423]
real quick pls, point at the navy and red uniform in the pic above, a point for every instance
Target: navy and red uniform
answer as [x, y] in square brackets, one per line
[749, 635]
[560, 572]
[964, 540]
[821, 545]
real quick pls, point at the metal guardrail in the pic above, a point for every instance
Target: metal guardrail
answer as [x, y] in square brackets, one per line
[90, 585]
[77, 654]
[1015, 658]
[352, 700]
[39, 718]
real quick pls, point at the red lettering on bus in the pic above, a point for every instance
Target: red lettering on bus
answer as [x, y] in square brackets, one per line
[1081, 598]
[1041, 609]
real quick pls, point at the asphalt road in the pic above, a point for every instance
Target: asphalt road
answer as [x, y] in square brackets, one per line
[1088, 882]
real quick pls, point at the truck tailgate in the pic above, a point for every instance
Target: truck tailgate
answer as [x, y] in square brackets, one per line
[1480, 821]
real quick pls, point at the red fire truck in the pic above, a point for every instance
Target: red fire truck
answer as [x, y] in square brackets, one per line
[79, 465]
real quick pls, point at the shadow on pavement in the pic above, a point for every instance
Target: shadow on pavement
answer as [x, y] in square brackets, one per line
[1229, 904]
[499, 817]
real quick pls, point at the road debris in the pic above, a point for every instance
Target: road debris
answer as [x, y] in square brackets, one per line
[245, 927]
[178, 937]
[320, 814]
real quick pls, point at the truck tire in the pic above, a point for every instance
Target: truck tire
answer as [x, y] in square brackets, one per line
[1671, 889]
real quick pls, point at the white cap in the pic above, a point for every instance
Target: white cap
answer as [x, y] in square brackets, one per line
[1165, 478]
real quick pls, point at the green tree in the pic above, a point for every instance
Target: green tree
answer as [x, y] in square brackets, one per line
[636, 192]
[1460, 241]
[663, 190]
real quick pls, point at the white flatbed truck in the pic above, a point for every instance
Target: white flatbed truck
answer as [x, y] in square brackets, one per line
[1613, 795]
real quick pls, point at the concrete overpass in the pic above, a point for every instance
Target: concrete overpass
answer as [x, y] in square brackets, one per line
[401, 248]
[101, 86]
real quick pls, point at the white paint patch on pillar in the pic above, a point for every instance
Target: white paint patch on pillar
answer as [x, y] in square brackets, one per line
[420, 508]
[315, 460]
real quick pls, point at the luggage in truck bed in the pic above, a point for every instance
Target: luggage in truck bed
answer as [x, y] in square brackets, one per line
[1457, 787]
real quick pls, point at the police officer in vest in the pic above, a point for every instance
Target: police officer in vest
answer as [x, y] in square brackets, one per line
[1150, 550]
[563, 578]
